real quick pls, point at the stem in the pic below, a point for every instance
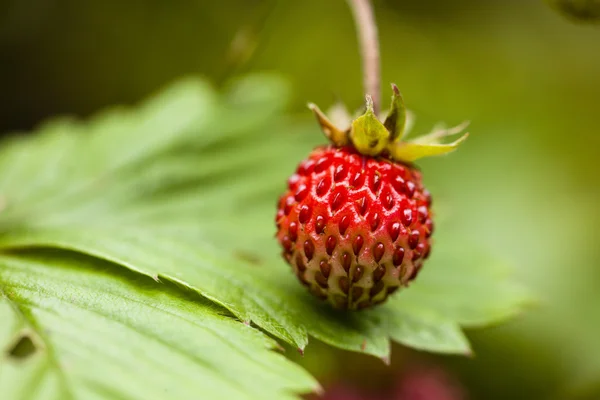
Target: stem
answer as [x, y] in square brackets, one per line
[366, 27]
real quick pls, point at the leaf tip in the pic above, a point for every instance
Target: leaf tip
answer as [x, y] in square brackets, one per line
[318, 390]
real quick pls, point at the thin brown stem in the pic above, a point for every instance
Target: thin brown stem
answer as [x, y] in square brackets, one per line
[366, 27]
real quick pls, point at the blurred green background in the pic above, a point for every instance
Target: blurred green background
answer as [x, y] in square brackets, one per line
[525, 185]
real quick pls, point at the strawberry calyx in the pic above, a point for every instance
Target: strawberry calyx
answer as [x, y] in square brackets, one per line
[371, 137]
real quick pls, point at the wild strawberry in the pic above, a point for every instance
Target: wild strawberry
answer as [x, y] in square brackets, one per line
[355, 223]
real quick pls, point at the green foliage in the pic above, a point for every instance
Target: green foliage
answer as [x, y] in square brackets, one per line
[101, 333]
[109, 229]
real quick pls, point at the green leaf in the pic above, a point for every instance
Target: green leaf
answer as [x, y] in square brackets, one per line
[467, 287]
[197, 208]
[86, 331]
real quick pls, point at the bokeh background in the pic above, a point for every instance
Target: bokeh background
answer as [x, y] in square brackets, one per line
[525, 186]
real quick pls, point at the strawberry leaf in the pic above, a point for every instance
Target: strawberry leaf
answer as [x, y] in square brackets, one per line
[182, 189]
[77, 328]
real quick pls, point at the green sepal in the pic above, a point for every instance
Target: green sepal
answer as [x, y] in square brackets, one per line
[396, 119]
[439, 132]
[368, 135]
[336, 136]
[411, 151]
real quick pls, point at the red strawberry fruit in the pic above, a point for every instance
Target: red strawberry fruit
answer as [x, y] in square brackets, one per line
[355, 223]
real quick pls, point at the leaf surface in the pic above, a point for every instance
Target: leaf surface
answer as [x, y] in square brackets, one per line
[100, 333]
